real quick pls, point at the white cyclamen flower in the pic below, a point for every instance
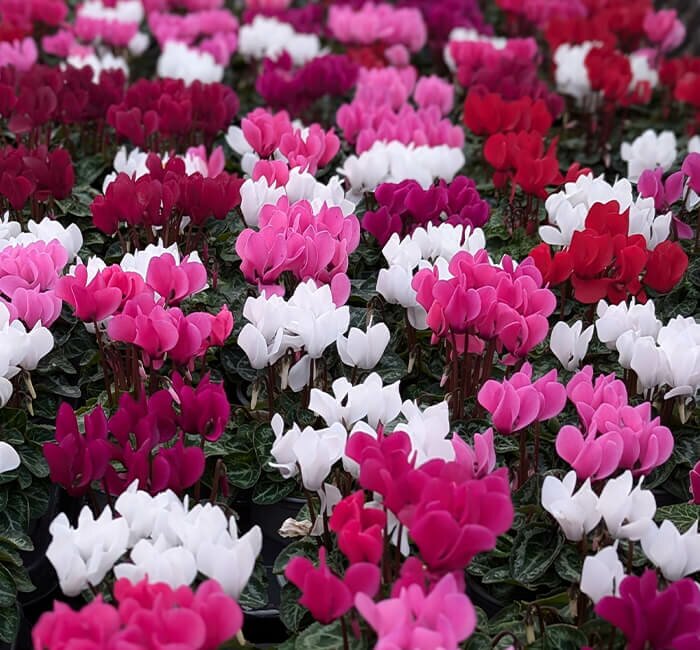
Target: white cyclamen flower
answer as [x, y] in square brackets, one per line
[649, 151]
[602, 574]
[576, 512]
[676, 554]
[627, 510]
[363, 349]
[569, 344]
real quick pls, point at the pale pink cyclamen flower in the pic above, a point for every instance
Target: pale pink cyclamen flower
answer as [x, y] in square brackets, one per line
[310, 150]
[214, 164]
[20, 54]
[434, 91]
[517, 402]
[415, 620]
[615, 435]
[664, 29]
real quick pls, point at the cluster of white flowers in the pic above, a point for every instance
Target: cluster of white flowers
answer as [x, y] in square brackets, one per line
[351, 409]
[393, 162]
[20, 350]
[179, 61]
[46, 230]
[300, 186]
[308, 321]
[426, 247]
[628, 513]
[567, 210]
[660, 355]
[269, 38]
[168, 542]
[649, 151]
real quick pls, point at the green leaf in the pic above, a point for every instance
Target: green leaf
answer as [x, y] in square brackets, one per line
[9, 555]
[9, 623]
[267, 492]
[305, 547]
[681, 515]
[534, 551]
[33, 459]
[291, 612]
[560, 637]
[478, 642]
[569, 564]
[8, 591]
[327, 637]
[21, 577]
[255, 595]
[16, 538]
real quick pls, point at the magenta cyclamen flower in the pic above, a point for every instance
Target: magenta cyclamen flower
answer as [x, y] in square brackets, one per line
[264, 130]
[75, 459]
[174, 282]
[655, 619]
[414, 620]
[324, 594]
[695, 483]
[516, 402]
[310, 151]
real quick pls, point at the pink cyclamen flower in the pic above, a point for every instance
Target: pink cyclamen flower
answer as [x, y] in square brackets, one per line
[435, 91]
[173, 281]
[324, 594]
[655, 619]
[263, 130]
[311, 150]
[517, 401]
[481, 459]
[414, 620]
[664, 29]
[665, 193]
[695, 483]
[20, 54]
[360, 529]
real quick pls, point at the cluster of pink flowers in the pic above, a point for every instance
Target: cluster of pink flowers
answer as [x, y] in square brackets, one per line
[517, 402]
[163, 197]
[482, 302]
[214, 31]
[169, 111]
[380, 112]
[147, 615]
[142, 313]
[20, 54]
[28, 281]
[146, 436]
[282, 85]
[41, 97]
[378, 23]
[38, 175]
[114, 28]
[614, 434]
[405, 206]
[308, 243]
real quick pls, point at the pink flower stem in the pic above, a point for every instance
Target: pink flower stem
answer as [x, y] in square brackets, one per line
[343, 627]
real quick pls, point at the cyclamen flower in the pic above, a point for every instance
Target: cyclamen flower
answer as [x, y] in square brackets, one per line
[569, 344]
[602, 574]
[517, 401]
[198, 620]
[442, 618]
[676, 554]
[360, 529]
[575, 511]
[325, 595]
[649, 151]
[648, 617]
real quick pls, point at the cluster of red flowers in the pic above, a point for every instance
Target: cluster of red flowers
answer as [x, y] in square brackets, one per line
[612, 23]
[682, 77]
[610, 73]
[168, 112]
[515, 146]
[163, 197]
[604, 261]
[37, 174]
[146, 436]
[44, 96]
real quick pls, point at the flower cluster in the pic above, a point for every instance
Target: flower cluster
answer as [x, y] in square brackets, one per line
[405, 206]
[616, 435]
[200, 619]
[147, 436]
